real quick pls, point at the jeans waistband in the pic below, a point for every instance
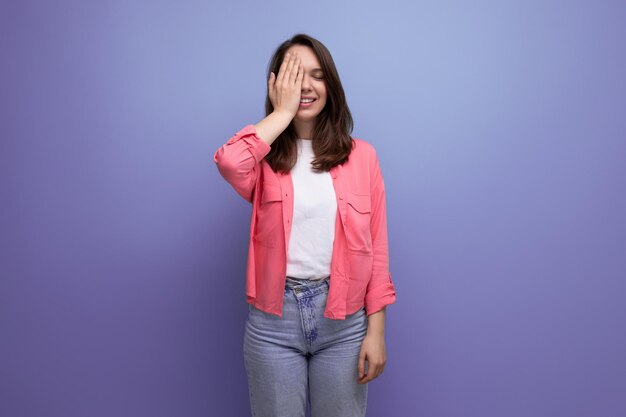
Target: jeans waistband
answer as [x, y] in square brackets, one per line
[292, 282]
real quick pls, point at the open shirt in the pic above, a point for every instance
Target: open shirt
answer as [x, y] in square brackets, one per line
[359, 265]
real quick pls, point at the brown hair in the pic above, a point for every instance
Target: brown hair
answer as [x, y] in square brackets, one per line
[331, 138]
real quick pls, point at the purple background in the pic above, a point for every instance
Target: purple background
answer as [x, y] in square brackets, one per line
[501, 133]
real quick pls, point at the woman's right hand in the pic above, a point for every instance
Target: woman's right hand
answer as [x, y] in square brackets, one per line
[285, 90]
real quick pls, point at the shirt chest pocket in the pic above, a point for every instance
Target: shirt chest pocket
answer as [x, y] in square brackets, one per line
[358, 217]
[269, 225]
[271, 193]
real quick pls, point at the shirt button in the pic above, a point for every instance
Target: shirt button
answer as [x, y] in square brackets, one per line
[341, 197]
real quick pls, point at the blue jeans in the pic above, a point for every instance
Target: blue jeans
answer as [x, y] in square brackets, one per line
[304, 354]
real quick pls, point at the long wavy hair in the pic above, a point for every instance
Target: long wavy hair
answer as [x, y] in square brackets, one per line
[331, 138]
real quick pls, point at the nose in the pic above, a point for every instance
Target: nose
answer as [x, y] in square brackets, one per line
[306, 84]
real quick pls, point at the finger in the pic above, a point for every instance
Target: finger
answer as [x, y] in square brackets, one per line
[270, 82]
[377, 371]
[300, 75]
[361, 365]
[270, 85]
[373, 371]
[295, 69]
[288, 70]
[366, 378]
[362, 379]
[281, 70]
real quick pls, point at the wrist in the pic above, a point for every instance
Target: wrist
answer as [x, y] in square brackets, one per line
[284, 116]
[376, 323]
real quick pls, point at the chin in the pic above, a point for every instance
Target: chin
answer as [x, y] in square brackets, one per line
[306, 117]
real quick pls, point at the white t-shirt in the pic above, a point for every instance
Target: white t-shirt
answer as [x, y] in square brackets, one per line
[314, 214]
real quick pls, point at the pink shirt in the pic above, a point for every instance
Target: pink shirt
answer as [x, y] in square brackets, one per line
[360, 259]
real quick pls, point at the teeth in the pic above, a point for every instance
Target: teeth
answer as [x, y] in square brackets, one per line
[306, 100]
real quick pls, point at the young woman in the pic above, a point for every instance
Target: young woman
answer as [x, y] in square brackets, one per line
[317, 279]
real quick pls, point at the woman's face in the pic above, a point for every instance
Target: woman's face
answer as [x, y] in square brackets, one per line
[313, 84]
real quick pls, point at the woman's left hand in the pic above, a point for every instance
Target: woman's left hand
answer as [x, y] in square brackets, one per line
[372, 351]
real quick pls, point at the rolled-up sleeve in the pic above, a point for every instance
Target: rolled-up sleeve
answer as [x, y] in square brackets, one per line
[238, 160]
[380, 289]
